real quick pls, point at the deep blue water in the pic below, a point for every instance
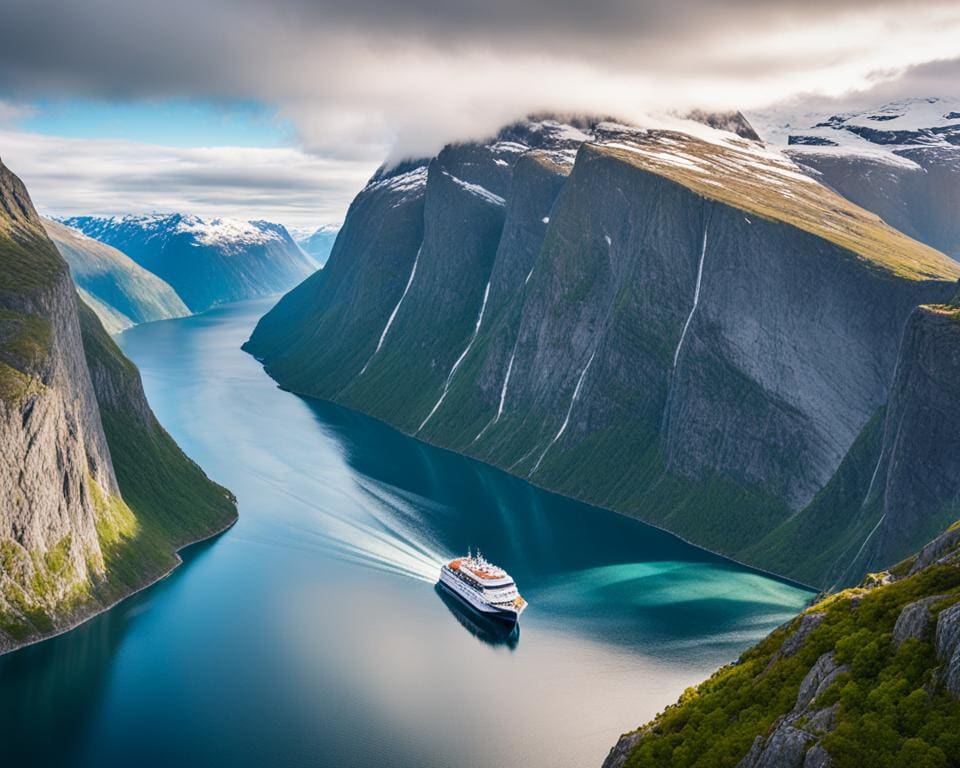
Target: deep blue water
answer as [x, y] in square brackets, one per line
[310, 634]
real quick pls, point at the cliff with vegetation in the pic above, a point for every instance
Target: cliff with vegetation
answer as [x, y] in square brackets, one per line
[684, 327]
[866, 677]
[119, 290]
[95, 498]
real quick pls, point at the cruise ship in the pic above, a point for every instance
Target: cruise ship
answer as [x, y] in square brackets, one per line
[484, 587]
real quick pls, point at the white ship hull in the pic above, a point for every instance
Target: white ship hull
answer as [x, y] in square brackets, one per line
[507, 611]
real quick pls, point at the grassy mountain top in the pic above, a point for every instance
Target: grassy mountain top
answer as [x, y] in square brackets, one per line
[761, 182]
[28, 260]
[865, 677]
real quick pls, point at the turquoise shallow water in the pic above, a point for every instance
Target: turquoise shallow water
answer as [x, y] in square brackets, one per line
[310, 634]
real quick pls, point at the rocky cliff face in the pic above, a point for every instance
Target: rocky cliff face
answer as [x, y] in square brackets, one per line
[71, 541]
[207, 262]
[870, 676]
[119, 290]
[917, 486]
[689, 330]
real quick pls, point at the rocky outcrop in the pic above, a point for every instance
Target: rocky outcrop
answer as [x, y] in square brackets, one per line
[620, 753]
[207, 262]
[863, 676]
[915, 620]
[646, 321]
[948, 647]
[65, 520]
[119, 290]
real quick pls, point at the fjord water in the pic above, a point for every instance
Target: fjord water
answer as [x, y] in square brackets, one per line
[310, 634]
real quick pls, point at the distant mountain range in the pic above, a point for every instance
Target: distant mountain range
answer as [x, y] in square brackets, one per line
[317, 243]
[207, 262]
[119, 290]
[684, 326]
[900, 160]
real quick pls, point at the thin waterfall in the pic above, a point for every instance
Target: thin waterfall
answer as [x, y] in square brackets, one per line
[566, 421]
[386, 328]
[696, 298]
[503, 392]
[453, 370]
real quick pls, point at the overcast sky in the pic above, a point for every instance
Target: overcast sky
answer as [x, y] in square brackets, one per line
[281, 109]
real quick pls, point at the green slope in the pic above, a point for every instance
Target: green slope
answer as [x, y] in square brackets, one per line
[889, 705]
[171, 500]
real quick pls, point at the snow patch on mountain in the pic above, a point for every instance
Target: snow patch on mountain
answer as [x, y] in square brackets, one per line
[228, 233]
[884, 134]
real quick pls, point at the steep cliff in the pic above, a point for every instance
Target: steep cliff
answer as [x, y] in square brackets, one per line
[207, 262]
[686, 329]
[94, 496]
[869, 676]
[119, 290]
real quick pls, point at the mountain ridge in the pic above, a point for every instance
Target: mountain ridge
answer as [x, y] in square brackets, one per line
[206, 261]
[614, 327]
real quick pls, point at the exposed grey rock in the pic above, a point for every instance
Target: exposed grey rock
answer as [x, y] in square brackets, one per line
[617, 758]
[822, 720]
[795, 641]
[948, 647]
[915, 620]
[57, 476]
[820, 677]
[943, 546]
[750, 759]
[785, 748]
[817, 757]
[52, 443]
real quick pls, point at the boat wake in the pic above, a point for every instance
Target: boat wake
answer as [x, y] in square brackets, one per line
[378, 527]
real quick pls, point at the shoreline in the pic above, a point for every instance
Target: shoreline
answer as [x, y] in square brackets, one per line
[152, 581]
[755, 569]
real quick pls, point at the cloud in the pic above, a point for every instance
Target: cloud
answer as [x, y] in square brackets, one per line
[356, 76]
[78, 176]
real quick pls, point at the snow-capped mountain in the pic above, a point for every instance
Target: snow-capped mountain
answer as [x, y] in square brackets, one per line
[207, 261]
[674, 321]
[316, 243]
[886, 130]
[900, 160]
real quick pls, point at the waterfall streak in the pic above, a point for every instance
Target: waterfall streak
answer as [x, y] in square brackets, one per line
[566, 421]
[503, 392]
[696, 299]
[463, 355]
[869, 536]
[393, 314]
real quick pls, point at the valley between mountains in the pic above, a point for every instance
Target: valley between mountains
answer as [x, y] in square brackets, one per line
[752, 345]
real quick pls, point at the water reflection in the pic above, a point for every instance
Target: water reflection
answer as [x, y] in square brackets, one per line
[485, 629]
[271, 647]
[56, 686]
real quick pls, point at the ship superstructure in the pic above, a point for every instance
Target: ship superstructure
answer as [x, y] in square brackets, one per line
[483, 586]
